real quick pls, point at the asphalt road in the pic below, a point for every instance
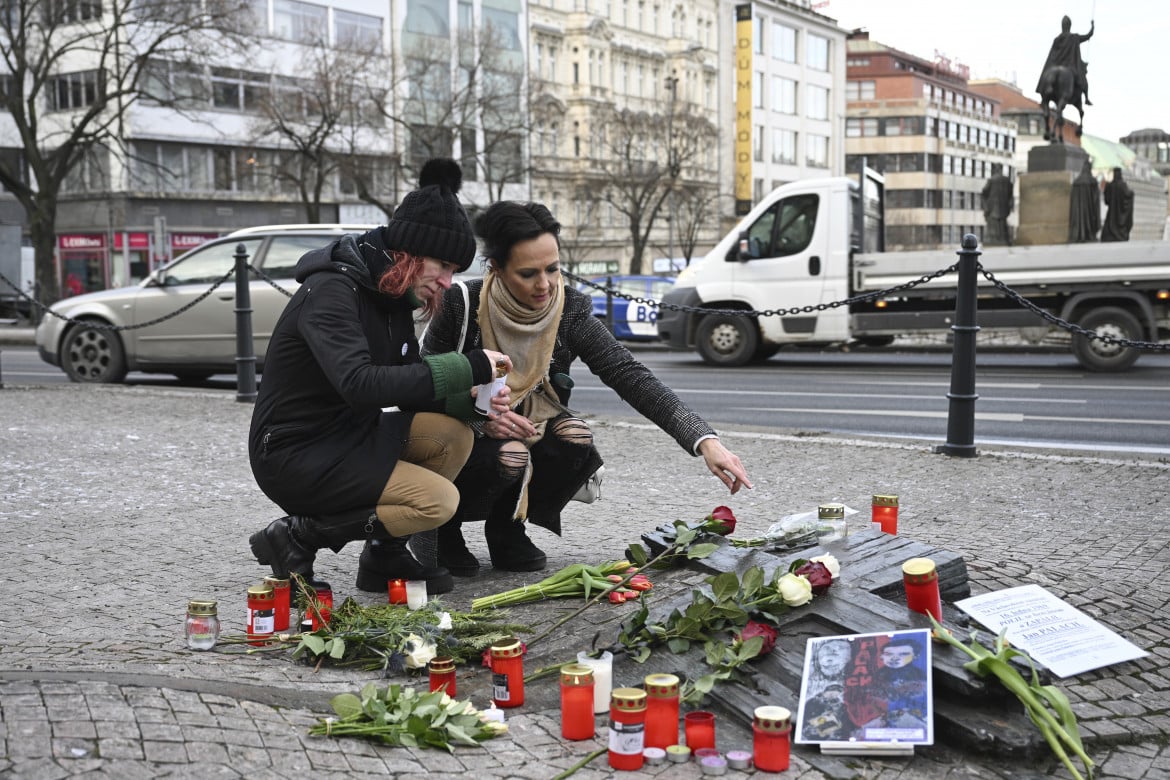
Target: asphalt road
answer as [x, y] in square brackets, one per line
[1040, 398]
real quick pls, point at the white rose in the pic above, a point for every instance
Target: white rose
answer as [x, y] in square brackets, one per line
[795, 589]
[418, 652]
[831, 563]
[445, 620]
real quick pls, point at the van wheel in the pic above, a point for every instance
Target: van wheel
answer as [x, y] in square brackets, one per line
[1096, 355]
[726, 340]
[93, 354]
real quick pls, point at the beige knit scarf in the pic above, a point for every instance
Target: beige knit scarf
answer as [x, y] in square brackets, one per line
[527, 336]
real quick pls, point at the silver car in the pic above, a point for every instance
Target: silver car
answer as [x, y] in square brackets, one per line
[195, 343]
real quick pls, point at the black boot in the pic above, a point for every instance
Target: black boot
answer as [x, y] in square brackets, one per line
[388, 559]
[453, 552]
[509, 545]
[289, 545]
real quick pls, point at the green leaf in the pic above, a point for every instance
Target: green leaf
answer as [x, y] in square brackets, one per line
[369, 690]
[725, 586]
[750, 648]
[685, 536]
[346, 705]
[641, 655]
[636, 554]
[679, 645]
[314, 643]
[459, 735]
[336, 647]
[700, 551]
[753, 581]
[714, 653]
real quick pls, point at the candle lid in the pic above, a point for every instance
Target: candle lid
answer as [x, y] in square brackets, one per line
[262, 592]
[678, 753]
[201, 607]
[831, 511]
[919, 570]
[772, 719]
[661, 686]
[276, 582]
[885, 500]
[576, 674]
[628, 699]
[442, 664]
[508, 647]
[654, 755]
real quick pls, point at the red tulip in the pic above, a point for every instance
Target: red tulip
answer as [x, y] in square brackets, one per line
[817, 574]
[720, 521]
[759, 629]
[617, 597]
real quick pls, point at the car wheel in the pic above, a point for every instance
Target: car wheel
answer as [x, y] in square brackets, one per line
[93, 354]
[1111, 321]
[726, 340]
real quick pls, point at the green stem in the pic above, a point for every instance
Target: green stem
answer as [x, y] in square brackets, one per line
[581, 764]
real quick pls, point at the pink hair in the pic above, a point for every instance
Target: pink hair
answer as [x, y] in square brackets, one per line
[401, 276]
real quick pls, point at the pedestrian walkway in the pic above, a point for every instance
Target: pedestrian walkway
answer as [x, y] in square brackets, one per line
[122, 503]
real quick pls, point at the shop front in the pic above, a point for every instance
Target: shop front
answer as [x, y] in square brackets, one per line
[82, 263]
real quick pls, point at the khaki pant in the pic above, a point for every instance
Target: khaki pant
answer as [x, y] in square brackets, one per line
[420, 494]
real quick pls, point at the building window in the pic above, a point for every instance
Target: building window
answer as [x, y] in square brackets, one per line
[866, 127]
[758, 143]
[783, 42]
[783, 146]
[297, 21]
[818, 52]
[357, 31]
[904, 125]
[861, 90]
[237, 90]
[76, 90]
[816, 150]
[783, 95]
[817, 99]
[758, 35]
[69, 11]
[502, 28]
[758, 89]
[427, 17]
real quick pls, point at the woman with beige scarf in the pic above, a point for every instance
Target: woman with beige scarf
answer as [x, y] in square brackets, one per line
[527, 463]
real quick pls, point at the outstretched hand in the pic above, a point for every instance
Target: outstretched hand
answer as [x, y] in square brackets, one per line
[724, 464]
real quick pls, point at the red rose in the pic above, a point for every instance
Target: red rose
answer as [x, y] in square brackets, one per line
[817, 574]
[720, 521]
[759, 629]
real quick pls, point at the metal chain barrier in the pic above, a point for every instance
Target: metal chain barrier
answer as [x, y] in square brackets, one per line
[270, 280]
[1071, 327]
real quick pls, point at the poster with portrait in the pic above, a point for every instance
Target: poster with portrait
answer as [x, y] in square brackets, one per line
[867, 688]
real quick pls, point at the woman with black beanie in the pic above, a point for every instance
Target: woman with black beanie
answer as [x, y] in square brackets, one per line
[344, 349]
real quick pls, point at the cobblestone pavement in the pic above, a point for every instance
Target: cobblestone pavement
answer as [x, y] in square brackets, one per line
[121, 503]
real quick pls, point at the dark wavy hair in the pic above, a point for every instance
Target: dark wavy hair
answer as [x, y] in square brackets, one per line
[506, 223]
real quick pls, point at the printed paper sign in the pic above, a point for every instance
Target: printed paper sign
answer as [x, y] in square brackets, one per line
[1057, 635]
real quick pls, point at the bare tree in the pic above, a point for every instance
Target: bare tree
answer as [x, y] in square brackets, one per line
[695, 216]
[72, 69]
[644, 153]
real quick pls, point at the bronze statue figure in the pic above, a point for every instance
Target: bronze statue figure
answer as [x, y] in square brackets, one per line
[1064, 80]
[1119, 216]
[1084, 207]
[998, 202]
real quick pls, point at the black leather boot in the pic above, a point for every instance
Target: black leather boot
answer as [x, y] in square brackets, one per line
[508, 542]
[453, 552]
[389, 559]
[289, 545]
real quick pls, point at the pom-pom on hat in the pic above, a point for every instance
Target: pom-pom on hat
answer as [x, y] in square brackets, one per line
[430, 221]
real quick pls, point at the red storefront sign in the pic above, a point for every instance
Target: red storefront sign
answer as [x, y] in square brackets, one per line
[185, 241]
[136, 240]
[82, 241]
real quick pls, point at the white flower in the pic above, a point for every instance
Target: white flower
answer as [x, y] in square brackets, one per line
[418, 652]
[445, 621]
[831, 563]
[795, 589]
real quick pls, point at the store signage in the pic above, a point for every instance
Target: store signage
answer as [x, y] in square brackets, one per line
[82, 241]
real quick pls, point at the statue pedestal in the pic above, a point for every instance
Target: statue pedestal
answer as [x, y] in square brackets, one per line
[1045, 192]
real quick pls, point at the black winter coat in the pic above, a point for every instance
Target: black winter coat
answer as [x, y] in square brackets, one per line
[341, 352]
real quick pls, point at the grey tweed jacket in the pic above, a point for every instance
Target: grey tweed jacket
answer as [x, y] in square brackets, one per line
[580, 335]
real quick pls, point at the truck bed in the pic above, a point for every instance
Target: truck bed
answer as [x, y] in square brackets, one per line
[1024, 266]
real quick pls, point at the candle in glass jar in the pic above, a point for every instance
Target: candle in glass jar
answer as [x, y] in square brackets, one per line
[507, 672]
[577, 702]
[441, 671]
[397, 591]
[661, 710]
[602, 667]
[416, 594]
[770, 747]
[260, 614]
[699, 727]
[322, 607]
[885, 513]
[920, 577]
[627, 728]
[280, 592]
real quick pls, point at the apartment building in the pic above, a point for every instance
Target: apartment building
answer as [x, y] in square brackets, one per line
[935, 137]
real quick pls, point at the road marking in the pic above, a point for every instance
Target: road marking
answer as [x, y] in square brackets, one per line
[802, 393]
[988, 416]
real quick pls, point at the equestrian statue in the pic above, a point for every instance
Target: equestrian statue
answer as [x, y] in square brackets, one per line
[1064, 81]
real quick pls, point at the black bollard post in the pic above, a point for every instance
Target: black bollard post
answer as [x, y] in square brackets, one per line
[961, 413]
[609, 303]
[245, 353]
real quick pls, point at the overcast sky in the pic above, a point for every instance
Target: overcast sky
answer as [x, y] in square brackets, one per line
[1009, 39]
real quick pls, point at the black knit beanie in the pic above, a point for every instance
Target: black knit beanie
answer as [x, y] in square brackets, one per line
[430, 221]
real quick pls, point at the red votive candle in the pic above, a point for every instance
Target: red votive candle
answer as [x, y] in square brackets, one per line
[280, 591]
[441, 671]
[323, 603]
[661, 710]
[885, 513]
[260, 603]
[770, 747]
[577, 702]
[627, 728]
[508, 672]
[396, 590]
[699, 727]
[920, 577]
